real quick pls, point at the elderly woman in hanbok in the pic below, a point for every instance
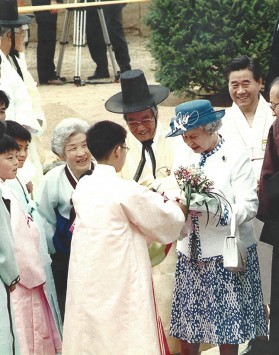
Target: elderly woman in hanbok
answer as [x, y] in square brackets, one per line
[55, 193]
[110, 307]
[210, 303]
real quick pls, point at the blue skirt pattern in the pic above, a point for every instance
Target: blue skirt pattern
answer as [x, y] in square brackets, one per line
[213, 305]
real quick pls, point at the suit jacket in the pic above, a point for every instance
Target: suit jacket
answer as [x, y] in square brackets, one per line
[268, 211]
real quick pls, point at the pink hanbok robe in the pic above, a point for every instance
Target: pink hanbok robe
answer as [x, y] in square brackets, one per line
[35, 325]
[163, 273]
[110, 306]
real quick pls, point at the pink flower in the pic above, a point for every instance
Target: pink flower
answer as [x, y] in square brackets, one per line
[192, 180]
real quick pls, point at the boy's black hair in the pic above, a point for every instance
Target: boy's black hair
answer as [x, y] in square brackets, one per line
[17, 131]
[103, 136]
[242, 62]
[7, 143]
[4, 98]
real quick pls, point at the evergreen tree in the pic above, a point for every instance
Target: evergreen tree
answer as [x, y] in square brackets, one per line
[192, 41]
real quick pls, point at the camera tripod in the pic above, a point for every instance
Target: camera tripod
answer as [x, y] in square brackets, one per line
[79, 40]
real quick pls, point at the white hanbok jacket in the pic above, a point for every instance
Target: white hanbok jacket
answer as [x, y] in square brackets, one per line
[110, 304]
[20, 107]
[237, 130]
[21, 110]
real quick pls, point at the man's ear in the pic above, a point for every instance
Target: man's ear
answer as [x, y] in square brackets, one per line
[117, 150]
[9, 34]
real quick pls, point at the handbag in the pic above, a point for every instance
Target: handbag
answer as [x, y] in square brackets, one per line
[234, 250]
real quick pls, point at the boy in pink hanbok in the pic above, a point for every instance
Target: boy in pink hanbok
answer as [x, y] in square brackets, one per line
[23, 138]
[110, 305]
[35, 325]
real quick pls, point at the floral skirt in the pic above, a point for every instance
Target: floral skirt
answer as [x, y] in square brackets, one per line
[213, 305]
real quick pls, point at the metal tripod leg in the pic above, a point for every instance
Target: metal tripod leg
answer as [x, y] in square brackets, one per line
[79, 42]
[64, 39]
[107, 42]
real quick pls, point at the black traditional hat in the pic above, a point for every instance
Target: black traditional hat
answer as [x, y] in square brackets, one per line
[9, 14]
[136, 95]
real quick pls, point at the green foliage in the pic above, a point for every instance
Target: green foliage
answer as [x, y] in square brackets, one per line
[192, 41]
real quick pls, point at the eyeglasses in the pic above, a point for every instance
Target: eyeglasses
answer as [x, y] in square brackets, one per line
[273, 106]
[127, 148]
[20, 32]
[144, 122]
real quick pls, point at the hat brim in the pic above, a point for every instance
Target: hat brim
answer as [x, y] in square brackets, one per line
[214, 116]
[22, 20]
[157, 94]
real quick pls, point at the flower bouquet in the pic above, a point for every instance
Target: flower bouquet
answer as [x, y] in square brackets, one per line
[199, 190]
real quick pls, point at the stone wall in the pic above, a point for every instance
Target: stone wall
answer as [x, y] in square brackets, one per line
[132, 20]
[133, 15]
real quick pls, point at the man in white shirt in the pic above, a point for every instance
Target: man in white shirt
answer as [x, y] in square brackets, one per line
[247, 123]
[20, 108]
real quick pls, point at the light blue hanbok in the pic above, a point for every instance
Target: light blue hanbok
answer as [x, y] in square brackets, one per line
[8, 275]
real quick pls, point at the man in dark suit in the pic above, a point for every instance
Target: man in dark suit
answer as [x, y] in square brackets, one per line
[269, 212]
[96, 43]
[46, 21]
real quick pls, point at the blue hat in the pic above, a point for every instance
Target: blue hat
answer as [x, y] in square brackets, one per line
[193, 114]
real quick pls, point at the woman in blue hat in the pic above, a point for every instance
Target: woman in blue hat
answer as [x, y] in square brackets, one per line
[210, 303]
